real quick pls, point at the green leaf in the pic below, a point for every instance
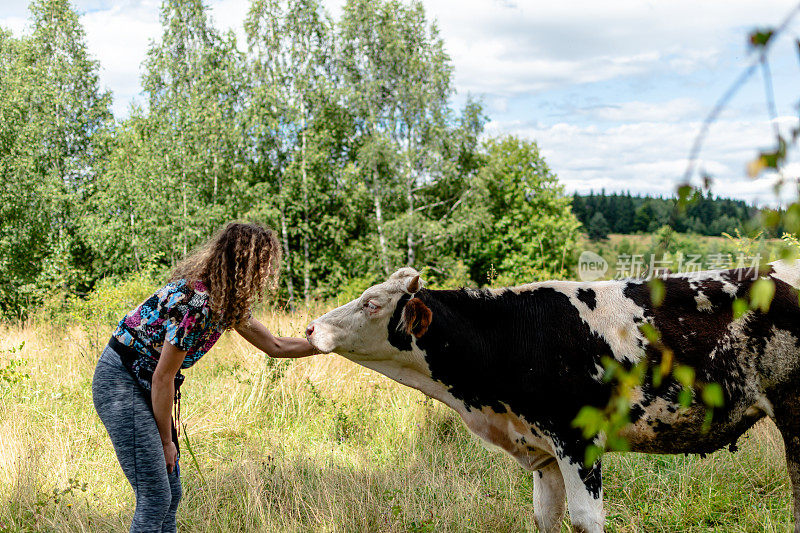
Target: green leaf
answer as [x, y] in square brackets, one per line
[590, 419]
[686, 193]
[612, 368]
[665, 367]
[650, 332]
[740, 307]
[657, 291]
[593, 453]
[657, 376]
[684, 374]
[761, 293]
[712, 395]
[685, 397]
[617, 444]
[760, 38]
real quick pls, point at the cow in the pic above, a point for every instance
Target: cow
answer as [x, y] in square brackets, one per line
[518, 364]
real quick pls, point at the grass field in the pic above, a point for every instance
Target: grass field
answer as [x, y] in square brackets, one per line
[324, 445]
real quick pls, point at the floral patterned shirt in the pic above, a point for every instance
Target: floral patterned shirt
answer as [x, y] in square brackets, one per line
[177, 313]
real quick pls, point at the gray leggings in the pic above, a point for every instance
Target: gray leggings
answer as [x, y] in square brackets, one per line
[125, 411]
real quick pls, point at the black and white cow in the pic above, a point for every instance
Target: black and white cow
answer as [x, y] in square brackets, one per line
[517, 364]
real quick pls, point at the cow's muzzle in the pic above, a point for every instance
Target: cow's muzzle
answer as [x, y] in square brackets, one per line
[320, 337]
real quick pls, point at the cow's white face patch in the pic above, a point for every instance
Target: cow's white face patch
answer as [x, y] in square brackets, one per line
[359, 329]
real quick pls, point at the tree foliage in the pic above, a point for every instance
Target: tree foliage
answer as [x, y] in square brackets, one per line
[53, 125]
[704, 214]
[340, 135]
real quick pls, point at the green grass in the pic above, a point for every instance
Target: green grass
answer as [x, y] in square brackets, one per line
[324, 445]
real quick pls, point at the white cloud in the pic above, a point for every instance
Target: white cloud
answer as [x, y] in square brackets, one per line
[676, 110]
[535, 45]
[118, 38]
[535, 62]
[499, 48]
[651, 157]
[230, 14]
[16, 24]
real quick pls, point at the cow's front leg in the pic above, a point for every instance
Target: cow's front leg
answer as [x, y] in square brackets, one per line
[584, 487]
[548, 498]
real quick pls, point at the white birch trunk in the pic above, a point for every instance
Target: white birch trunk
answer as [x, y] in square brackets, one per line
[379, 219]
[306, 261]
[287, 258]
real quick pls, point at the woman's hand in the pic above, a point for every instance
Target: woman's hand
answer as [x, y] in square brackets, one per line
[259, 336]
[170, 456]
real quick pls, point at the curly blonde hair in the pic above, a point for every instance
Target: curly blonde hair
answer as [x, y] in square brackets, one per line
[236, 266]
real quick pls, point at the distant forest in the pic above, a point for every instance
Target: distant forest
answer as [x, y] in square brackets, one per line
[603, 213]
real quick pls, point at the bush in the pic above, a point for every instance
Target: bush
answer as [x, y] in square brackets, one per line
[103, 307]
[355, 286]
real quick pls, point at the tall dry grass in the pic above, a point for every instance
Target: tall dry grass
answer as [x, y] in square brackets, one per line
[321, 444]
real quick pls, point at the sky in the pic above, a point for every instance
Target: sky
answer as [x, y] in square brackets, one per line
[613, 92]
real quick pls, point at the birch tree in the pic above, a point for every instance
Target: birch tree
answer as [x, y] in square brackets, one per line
[369, 42]
[400, 79]
[425, 83]
[192, 80]
[291, 45]
[53, 122]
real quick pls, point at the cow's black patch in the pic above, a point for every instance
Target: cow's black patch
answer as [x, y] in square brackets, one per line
[636, 412]
[694, 332]
[530, 351]
[588, 297]
[397, 334]
[592, 479]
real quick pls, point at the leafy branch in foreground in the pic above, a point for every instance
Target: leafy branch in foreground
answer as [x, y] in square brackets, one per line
[604, 426]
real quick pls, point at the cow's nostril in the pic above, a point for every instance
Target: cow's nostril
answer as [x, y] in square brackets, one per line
[309, 330]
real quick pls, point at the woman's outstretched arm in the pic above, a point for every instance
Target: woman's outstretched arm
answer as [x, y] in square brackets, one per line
[259, 336]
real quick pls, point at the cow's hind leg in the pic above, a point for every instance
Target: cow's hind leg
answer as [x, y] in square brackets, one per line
[788, 422]
[584, 489]
[548, 498]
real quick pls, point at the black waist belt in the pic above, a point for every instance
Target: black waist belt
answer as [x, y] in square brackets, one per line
[126, 353]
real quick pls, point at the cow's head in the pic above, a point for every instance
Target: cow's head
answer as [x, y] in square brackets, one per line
[368, 327]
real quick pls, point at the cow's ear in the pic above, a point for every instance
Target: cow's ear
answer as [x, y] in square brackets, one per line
[417, 317]
[413, 285]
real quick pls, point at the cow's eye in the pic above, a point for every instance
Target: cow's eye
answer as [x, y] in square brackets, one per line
[371, 306]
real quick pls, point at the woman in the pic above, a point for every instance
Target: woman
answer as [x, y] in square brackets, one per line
[137, 377]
